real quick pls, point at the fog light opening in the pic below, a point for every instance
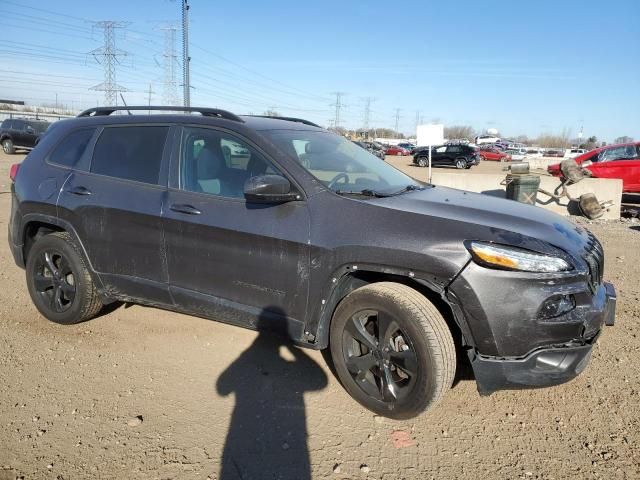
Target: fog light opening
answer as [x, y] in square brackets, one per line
[557, 305]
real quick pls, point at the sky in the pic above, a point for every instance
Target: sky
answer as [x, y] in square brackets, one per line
[518, 66]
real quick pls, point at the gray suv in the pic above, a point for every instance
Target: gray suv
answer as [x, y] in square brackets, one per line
[278, 224]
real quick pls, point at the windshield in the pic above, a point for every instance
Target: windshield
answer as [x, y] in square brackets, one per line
[340, 164]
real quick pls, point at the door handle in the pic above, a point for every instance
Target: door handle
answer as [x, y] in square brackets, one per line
[79, 190]
[182, 208]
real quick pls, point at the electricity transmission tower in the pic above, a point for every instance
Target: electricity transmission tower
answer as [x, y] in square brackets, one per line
[367, 112]
[397, 119]
[339, 106]
[186, 59]
[107, 56]
[170, 60]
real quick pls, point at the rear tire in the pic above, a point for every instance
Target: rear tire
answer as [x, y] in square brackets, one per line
[461, 163]
[7, 146]
[59, 282]
[392, 350]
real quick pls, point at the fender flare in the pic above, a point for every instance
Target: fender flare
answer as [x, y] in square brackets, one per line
[64, 225]
[349, 277]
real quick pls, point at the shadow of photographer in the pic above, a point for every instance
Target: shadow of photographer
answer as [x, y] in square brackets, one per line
[267, 435]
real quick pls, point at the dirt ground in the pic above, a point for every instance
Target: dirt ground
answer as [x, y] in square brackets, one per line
[148, 394]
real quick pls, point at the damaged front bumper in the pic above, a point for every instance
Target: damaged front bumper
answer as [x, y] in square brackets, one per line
[545, 366]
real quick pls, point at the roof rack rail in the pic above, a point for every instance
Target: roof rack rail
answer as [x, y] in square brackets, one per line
[289, 119]
[205, 112]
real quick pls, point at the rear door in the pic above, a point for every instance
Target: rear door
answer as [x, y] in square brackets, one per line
[18, 132]
[453, 152]
[114, 202]
[230, 259]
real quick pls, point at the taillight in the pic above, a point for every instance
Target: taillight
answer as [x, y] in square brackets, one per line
[13, 171]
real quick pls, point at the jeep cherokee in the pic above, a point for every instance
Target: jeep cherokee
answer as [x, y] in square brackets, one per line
[240, 218]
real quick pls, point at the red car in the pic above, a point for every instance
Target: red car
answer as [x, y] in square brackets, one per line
[496, 154]
[613, 161]
[395, 150]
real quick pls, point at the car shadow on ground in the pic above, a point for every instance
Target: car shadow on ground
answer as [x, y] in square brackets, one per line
[267, 435]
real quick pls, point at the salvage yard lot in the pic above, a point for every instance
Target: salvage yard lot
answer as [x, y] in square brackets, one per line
[144, 393]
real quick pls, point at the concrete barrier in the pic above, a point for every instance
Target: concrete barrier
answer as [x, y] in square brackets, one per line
[605, 189]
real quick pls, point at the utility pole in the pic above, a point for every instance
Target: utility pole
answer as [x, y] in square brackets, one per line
[397, 119]
[339, 106]
[186, 59]
[107, 56]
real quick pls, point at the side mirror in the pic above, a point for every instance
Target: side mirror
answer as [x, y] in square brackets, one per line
[30, 129]
[269, 189]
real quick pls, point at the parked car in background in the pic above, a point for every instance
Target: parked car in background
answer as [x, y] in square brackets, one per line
[495, 154]
[371, 147]
[553, 153]
[21, 133]
[517, 155]
[408, 146]
[275, 243]
[459, 156]
[612, 161]
[480, 139]
[573, 152]
[397, 150]
[535, 152]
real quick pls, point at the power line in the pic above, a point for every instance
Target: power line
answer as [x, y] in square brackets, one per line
[109, 54]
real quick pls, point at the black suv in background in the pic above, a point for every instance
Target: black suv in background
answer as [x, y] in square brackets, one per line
[459, 156]
[20, 133]
[304, 233]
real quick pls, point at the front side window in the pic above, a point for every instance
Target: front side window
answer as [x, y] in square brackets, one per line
[339, 164]
[70, 150]
[130, 153]
[6, 125]
[618, 153]
[217, 163]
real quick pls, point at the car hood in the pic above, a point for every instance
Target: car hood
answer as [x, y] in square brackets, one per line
[488, 218]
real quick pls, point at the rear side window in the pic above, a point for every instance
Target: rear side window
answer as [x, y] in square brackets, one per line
[130, 153]
[70, 150]
[6, 124]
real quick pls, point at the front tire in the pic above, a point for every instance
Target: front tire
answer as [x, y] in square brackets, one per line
[422, 162]
[392, 350]
[59, 282]
[7, 146]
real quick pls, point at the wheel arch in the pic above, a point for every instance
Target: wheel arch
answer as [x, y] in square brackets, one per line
[34, 226]
[350, 278]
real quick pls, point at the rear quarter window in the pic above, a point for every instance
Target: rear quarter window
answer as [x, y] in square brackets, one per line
[71, 148]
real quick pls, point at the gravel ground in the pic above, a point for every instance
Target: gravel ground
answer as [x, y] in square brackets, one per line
[143, 393]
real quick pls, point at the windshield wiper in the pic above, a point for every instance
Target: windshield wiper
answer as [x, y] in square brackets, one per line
[409, 188]
[366, 193]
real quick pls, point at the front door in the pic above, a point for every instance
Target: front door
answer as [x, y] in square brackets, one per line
[229, 259]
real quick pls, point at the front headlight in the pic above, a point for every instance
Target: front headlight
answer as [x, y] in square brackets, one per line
[512, 258]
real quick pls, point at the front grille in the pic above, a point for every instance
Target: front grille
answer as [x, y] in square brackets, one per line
[594, 256]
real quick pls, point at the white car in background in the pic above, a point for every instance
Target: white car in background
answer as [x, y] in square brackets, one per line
[481, 139]
[573, 152]
[518, 154]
